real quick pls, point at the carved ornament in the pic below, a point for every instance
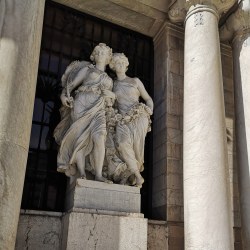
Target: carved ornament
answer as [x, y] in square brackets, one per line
[238, 24]
[179, 9]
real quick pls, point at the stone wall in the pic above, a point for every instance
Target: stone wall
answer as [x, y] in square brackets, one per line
[157, 235]
[174, 128]
[174, 124]
[168, 119]
[167, 155]
[39, 230]
[228, 83]
[159, 125]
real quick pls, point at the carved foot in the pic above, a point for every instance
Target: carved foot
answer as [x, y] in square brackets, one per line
[103, 179]
[62, 169]
[139, 182]
[123, 181]
[83, 177]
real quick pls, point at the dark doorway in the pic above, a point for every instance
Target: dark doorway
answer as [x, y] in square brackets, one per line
[69, 35]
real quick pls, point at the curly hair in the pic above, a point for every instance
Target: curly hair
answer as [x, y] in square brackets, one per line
[101, 46]
[118, 57]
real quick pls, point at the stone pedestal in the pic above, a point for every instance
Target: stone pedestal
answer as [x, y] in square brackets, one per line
[103, 232]
[87, 194]
[103, 216]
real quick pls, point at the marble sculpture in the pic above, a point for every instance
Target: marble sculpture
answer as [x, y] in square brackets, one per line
[103, 125]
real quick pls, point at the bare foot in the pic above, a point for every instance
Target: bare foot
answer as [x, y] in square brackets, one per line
[139, 182]
[102, 179]
[124, 181]
[62, 169]
[83, 177]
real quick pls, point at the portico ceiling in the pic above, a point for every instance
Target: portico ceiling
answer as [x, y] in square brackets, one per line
[144, 16]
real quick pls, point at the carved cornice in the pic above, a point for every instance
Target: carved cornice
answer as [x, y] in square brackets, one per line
[238, 24]
[178, 10]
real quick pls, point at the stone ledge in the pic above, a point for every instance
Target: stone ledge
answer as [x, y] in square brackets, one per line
[40, 212]
[105, 212]
[107, 186]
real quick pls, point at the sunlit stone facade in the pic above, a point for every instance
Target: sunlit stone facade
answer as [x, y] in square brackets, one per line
[201, 126]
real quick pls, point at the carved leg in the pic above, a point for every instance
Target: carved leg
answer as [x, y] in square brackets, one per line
[128, 156]
[99, 153]
[80, 162]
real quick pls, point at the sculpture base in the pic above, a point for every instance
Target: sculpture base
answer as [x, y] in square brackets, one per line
[103, 232]
[103, 216]
[86, 194]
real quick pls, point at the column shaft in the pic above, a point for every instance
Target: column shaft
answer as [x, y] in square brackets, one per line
[206, 195]
[20, 37]
[241, 50]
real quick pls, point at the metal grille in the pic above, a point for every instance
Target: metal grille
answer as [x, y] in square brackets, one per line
[69, 35]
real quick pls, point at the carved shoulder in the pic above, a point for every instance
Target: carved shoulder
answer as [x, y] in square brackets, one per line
[72, 70]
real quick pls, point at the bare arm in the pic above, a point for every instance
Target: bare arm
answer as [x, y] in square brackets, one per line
[144, 94]
[80, 77]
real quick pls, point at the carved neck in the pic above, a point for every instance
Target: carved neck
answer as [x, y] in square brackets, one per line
[121, 76]
[100, 66]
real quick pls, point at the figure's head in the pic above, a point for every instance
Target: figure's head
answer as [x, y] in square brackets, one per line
[119, 63]
[101, 53]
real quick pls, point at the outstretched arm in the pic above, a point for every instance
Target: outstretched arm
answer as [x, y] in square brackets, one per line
[144, 94]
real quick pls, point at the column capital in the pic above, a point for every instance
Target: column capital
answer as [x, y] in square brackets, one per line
[238, 24]
[178, 10]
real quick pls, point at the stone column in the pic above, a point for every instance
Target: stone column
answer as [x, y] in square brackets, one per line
[237, 30]
[20, 37]
[207, 222]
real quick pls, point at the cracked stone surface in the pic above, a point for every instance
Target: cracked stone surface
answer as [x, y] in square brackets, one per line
[101, 232]
[38, 232]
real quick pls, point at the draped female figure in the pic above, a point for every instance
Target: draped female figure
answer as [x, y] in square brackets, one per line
[81, 133]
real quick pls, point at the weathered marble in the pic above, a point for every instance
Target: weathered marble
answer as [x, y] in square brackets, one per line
[103, 232]
[81, 134]
[206, 189]
[91, 128]
[157, 235]
[126, 136]
[178, 10]
[39, 230]
[88, 194]
[20, 37]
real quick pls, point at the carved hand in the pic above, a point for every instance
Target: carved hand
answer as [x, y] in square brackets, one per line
[148, 109]
[66, 101]
[108, 93]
